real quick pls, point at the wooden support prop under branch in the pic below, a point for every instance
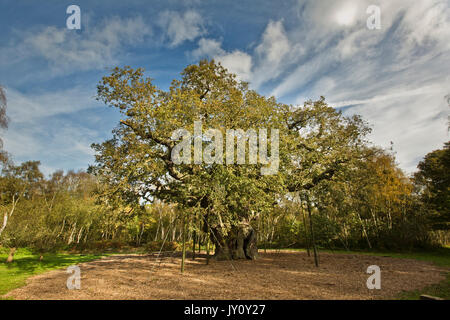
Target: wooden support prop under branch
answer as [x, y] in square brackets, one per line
[183, 257]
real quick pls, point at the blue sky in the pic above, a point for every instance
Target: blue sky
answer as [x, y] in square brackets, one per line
[397, 77]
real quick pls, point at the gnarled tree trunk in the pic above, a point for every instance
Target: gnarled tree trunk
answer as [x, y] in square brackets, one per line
[239, 243]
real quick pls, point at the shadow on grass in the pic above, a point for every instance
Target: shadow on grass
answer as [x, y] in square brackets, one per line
[31, 264]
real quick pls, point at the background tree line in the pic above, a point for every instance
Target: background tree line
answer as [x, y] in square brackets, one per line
[374, 206]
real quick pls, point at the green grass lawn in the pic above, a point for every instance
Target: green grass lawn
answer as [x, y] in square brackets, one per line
[26, 264]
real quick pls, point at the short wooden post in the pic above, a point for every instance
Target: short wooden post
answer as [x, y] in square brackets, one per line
[207, 249]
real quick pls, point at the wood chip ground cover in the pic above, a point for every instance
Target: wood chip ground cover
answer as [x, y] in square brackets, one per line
[274, 275]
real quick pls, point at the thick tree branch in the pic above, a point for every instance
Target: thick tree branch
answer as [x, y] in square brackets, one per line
[148, 135]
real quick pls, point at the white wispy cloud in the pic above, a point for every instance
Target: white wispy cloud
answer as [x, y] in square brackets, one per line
[67, 51]
[265, 63]
[237, 62]
[27, 108]
[416, 124]
[272, 53]
[208, 48]
[40, 128]
[178, 27]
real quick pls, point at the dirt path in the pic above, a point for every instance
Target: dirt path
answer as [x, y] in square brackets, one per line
[285, 275]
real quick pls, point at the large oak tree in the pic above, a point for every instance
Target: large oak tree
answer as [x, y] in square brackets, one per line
[315, 143]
